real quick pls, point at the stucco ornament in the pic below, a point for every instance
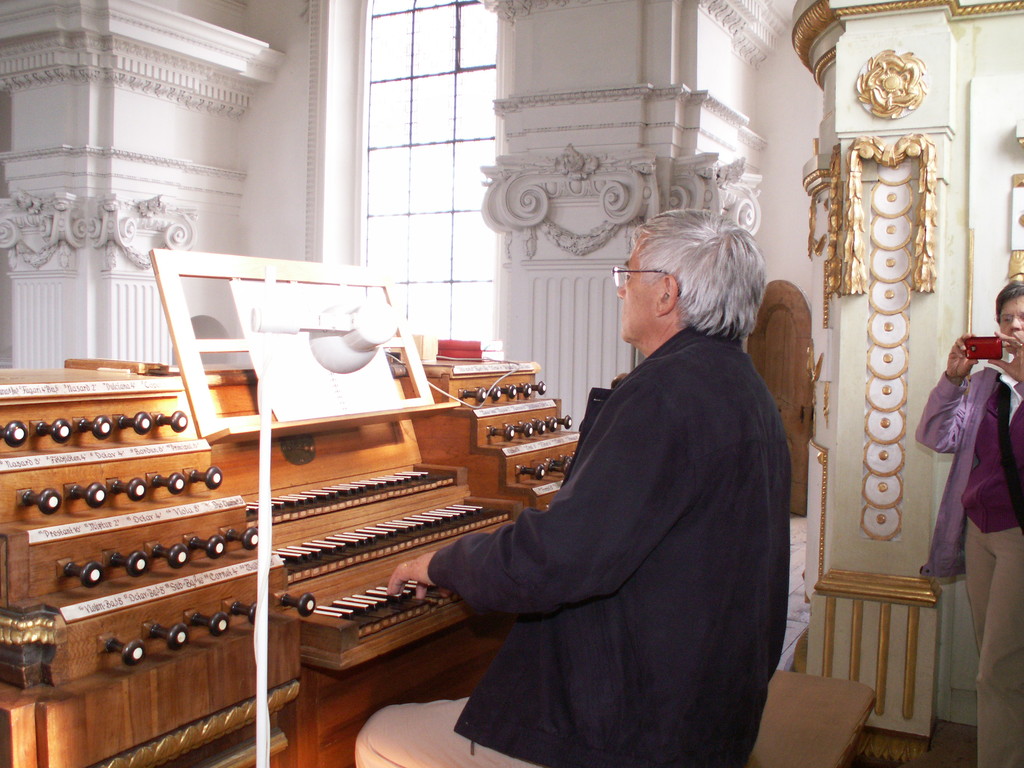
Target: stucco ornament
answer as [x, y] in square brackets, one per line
[892, 84]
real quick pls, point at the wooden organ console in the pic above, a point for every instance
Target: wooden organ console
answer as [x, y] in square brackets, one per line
[126, 575]
[128, 541]
[513, 438]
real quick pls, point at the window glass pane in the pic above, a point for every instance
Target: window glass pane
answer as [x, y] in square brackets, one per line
[390, 47]
[478, 44]
[470, 157]
[434, 45]
[387, 240]
[472, 311]
[430, 175]
[389, 113]
[391, 6]
[430, 250]
[475, 92]
[388, 181]
[431, 127]
[429, 307]
[433, 109]
[473, 248]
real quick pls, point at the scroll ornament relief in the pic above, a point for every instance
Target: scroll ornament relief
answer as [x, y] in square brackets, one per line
[39, 231]
[892, 84]
[523, 193]
[727, 189]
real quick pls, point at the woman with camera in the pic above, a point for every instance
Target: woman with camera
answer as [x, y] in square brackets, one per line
[980, 524]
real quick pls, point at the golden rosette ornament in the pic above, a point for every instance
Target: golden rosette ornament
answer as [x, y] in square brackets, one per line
[892, 84]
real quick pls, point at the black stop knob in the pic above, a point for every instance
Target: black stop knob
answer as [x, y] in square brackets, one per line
[214, 546]
[527, 389]
[60, 430]
[175, 482]
[539, 426]
[217, 623]
[479, 394]
[15, 434]
[135, 563]
[565, 421]
[177, 421]
[540, 387]
[131, 652]
[511, 391]
[90, 573]
[94, 494]
[561, 464]
[212, 477]
[304, 603]
[175, 635]
[176, 555]
[48, 500]
[135, 489]
[249, 538]
[238, 608]
[141, 422]
[536, 472]
[101, 427]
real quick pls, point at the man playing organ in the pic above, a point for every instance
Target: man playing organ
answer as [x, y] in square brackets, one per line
[652, 593]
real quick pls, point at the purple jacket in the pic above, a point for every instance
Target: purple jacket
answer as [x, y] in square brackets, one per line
[950, 424]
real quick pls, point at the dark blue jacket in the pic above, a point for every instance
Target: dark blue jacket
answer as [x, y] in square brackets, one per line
[652, 593]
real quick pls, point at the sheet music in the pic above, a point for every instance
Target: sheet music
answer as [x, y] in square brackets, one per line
[301, 387]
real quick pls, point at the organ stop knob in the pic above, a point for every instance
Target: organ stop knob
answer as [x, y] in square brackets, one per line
[217, 624]
[176, 635]
[304, 603]
[89, 574]
[131, 652]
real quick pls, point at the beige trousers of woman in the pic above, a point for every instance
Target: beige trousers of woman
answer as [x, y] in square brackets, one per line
[995, 587]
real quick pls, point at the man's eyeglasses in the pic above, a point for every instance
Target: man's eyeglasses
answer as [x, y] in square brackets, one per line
[620, 275]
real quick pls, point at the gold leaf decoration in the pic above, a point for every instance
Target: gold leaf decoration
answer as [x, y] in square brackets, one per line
[892, 85]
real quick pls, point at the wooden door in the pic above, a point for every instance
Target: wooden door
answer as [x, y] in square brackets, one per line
[779, 348]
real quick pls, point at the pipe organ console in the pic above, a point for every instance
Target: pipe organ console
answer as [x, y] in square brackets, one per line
[129, 498]
[514, 440]
[123, 561]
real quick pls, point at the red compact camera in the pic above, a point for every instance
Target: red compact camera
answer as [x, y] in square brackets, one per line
[984, 347]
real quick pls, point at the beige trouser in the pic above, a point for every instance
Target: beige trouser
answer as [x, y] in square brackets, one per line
[421, 736]
[995, 587]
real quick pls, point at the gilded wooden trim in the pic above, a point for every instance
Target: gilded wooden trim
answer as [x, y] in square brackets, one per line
[853, 585]
[913, 145]
[882, 659]
[244, 756]
[830, 637]
[822, 64]
[856, 628]
[812, 22]
[833, 268]
[823, 460]
[890, 746]
[23, 630]
[910, 661]
[819, 16]
[177, 743]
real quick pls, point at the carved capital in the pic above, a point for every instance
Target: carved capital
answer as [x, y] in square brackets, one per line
[41, 230]
[726, 188]
[524, 192]
[51, 231]
[121, 227]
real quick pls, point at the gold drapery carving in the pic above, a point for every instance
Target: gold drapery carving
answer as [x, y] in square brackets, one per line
[854, 277]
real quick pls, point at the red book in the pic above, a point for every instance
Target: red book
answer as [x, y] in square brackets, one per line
[463, 350]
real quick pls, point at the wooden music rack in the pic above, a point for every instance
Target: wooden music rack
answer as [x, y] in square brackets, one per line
[215, 421]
